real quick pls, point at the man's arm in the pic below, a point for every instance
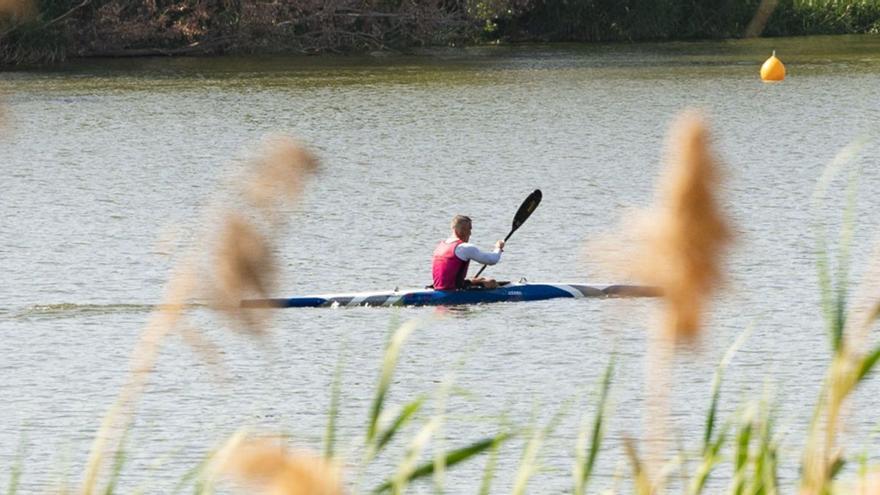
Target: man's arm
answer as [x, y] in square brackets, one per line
[467, 251]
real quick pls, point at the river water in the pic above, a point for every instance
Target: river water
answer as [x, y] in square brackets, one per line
[108, 167]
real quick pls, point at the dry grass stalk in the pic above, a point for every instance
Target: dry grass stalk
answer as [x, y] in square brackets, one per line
[267, 463]
[641, 481]
[822, 452]
[869, 484]
[242, 265]
[162, 322]
[865, 307]
[684, 237]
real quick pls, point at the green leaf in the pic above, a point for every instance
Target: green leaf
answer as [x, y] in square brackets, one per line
[713, 411]
[836, 467]
[119, 458]
[641, 483]
[405, 415]
[15, 474]
[764, 479]
[710, 460]
[451, 458]
[716, 385]
[834, 294]
[597, 432]
[742, 445]
[193, 475]
[333, 411]
[741, 458]
[868, 364]
[389, 363]
[489, 471]
[533, 448]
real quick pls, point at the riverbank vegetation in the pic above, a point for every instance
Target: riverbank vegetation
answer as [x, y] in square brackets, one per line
[43, 31]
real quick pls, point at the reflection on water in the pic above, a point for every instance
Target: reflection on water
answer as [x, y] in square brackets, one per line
[104, 158]
[72, 310]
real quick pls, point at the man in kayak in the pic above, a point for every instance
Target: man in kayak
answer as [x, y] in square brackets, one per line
[452, 257]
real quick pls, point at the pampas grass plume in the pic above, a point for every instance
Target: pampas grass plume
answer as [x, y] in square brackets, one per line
[279, 174]
[243, 264]
[279, 472]
[684, 236]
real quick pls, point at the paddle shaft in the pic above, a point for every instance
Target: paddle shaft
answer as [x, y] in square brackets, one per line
[522, 214]
[505, 240]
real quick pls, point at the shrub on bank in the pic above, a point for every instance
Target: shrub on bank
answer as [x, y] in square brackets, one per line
[52, 30]
[633, 20]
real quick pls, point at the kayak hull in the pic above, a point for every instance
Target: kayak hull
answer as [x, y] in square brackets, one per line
[507, 293]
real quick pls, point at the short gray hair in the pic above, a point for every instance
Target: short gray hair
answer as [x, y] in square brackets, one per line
[459, 222]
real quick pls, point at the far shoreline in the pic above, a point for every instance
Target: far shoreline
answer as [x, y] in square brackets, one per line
[789, 47]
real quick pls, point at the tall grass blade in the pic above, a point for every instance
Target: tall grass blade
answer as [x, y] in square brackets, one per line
[868, 364]
[14, 479]
[402, 419]
[389, 363]
[119, 459]
[194, 476]
[741, 457]
[716, 386]
[529, 461]
[586, 469]
[333, 411]
[841, 289]
[641, 482]
[489, 471]
[712, 447]
[764, 479]
[836, 467]
[713, 410]
[833, 295]
[17, 468]
[826, 292]
[442, 396]
[711, 457]
[451, 459]
[414, 451]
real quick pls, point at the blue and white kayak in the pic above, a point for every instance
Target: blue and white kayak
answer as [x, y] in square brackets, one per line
[427, 297]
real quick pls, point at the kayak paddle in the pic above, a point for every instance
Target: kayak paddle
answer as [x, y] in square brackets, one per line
[522, 214]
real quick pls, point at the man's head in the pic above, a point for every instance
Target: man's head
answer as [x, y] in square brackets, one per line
[461, 227]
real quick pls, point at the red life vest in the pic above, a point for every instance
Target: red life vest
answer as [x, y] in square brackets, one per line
[449, 270]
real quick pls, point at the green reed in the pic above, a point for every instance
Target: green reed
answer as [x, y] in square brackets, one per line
[377, 438]
[587, 454]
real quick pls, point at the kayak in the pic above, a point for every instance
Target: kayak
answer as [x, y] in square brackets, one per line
[510, 292]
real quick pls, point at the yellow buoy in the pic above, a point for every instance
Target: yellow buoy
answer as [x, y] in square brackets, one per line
[772, 70]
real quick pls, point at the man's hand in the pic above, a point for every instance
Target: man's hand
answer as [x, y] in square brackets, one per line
[499, 245]
[488, 283]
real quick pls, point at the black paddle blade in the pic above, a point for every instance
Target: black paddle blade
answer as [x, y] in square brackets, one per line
[522, 214]
[525, 211]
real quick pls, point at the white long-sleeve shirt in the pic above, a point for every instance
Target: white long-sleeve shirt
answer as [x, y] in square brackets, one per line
[467, 251]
